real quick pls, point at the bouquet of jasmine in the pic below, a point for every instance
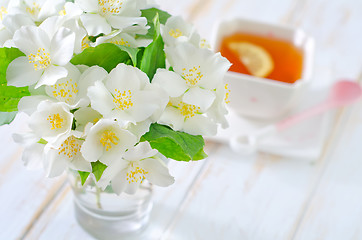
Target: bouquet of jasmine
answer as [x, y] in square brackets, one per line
[112, 88]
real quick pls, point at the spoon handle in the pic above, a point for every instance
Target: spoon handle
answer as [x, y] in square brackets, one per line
[299, 117]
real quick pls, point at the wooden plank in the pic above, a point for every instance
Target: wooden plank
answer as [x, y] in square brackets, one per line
[24, 194]
[244, 198]
[334, 210]
[219, 207]
[59, 218]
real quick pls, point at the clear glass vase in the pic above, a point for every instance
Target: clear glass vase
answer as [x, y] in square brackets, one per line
[106, 215]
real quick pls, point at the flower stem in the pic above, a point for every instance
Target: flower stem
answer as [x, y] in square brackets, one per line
[98, 197]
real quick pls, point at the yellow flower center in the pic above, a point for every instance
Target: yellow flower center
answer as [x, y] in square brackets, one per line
[3, 12]
[62, 12]
[110, 6]
[65, 91]
[123, 100]
[188, 110]
[85, 43]
[175, 33]
[34, 9]
[204, 44]
[108, 138]
[192, 76]
[135, 174]
[70, 147]
[121, 42]
[55, 120]
[40, 59]
[227, 94]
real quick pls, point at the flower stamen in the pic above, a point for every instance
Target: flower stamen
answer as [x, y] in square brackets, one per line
[123, 100]
[135, 174]
[70, 147]
[110, 6]
[3, 12]
[65, 91]
[108, 138]
[55, 120]
[188, 110]
[85, 43]
[175, 33]
[121, 42]
[34, 10]
[41, 59]
[227, 94]
[192, 76]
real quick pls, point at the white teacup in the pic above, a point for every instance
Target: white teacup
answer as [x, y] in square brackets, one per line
[259, 97]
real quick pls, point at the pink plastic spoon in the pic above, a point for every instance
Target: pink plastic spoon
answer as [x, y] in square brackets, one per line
[342, 93]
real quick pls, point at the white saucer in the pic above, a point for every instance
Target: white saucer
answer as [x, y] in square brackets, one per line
[305, 140]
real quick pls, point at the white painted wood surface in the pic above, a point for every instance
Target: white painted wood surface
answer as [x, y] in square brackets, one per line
[230, 196]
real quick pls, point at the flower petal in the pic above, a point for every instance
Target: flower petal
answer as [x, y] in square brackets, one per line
[88, 78]
[101, 99]
[119, 183]
[140, 151]
[95, 24]
[200, 125]
[35, 38]
[125, 77]
[21, 73]
[173, 118]
[28, 104]
[112, 171]
[199, 97]
[121, 22]
[62, 46]
[171, 82]
[158, 173]
[51, 74]
[14, 22]
[88, 5]
[53, 165]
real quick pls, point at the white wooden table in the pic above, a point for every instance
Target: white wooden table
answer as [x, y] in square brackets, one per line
[229, 196]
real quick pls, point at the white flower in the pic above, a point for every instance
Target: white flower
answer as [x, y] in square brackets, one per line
[137, 164]
[126, 95]
[52, 122]
[39, 10]
[176, 30]
[188, 118]
[69, 18]
[101, 15]
[33, 154]
[86, 115]
[46, 56]
[197, 73]
[106, 141]
[73, 88]
[7, 7]
[218, 110]
[67, 155]
[118, 38]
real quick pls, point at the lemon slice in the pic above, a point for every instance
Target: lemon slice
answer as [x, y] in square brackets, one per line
[255, 58]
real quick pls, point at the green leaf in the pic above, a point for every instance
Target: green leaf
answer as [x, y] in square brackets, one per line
[179, 146]
[98, 169]
[10, 96]
[132, 53]
[7, 55]
[154, 56]
[150, 14]
[83, 176]
[7, 117]
[200, 155]
[106, 55]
